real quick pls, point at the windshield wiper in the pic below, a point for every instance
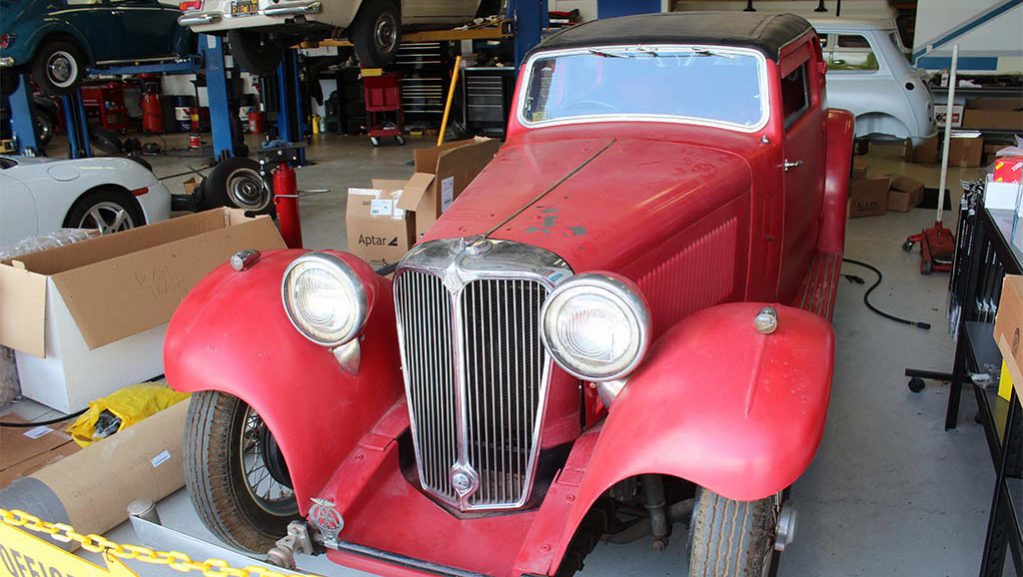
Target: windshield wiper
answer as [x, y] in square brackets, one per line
[606, 54]
[705, 52]
[644, 50]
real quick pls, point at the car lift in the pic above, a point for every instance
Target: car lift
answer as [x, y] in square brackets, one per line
[210, 58]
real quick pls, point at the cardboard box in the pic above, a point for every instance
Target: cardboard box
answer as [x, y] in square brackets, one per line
[868, 196]
[378, 231]
[991, 151]
[1009, 328]
[24, 451]
[993, 119]
[925, 153]
[89, 318]
[859, 162]
[965, 151]
[442, 173]
[905, 194]
[190, 185]
[1008, 169]
[941, 112]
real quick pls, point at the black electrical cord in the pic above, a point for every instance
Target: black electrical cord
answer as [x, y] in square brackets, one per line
[866, 297]
[41, 423]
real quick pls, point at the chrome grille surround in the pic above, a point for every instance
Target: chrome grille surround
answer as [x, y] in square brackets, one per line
[454, 409]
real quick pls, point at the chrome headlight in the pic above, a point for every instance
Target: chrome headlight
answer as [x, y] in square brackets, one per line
[324, 299]
[596, 327]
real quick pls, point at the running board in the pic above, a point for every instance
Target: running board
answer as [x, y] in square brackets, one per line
[817, 293]
[405, 561]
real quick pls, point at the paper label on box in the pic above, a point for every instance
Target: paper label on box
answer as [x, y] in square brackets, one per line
[447, 193]
[381, 207]
[37, 432]
[399, 213]
[364, 191]
[160, 459]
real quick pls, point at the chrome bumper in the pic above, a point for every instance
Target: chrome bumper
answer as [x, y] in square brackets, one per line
[197, 19]
[292, 8]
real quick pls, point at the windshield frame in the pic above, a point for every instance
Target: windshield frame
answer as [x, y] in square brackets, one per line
[765, 105]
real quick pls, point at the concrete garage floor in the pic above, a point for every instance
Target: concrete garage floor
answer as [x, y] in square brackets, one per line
[889, 492]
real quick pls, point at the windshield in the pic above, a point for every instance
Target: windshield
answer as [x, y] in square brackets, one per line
[660, 83]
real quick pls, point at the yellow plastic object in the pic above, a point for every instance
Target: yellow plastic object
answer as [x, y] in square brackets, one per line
[1005, 383]
[130, 404]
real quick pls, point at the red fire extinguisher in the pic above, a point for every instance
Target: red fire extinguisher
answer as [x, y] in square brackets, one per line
[152, 108]
[286, 201]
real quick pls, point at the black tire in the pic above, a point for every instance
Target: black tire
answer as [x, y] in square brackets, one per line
[374, 141]
[400, 139]
[257, 53]
[108, 208]
[9, 80]
[58, 67]
[236, 183]
[220, 431]
[105, 140]
[46, 125]
[376, 33]
[737, 535]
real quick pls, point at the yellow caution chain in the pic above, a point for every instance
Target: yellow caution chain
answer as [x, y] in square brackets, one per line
[112, 552]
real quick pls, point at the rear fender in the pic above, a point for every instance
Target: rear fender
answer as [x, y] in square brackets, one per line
[836, 181]
[231, 334]
[718, 404]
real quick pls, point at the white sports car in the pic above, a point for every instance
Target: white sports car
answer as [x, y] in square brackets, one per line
[40, 195]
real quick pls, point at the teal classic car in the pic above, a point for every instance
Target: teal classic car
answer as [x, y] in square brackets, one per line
[57, 40]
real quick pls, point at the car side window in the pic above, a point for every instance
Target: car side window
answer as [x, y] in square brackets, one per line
[851, 52]
[795, 95]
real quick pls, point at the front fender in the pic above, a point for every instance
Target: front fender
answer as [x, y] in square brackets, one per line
[720, 405]
[231, 334]
[836, 181]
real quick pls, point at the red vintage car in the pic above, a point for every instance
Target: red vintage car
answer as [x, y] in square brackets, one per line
[621, 324]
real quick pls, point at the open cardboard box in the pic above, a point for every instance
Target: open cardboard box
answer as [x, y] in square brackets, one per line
[442, 173]
[89, 318]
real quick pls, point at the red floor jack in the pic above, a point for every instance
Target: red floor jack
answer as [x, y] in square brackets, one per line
[937, 247]
[937, 244]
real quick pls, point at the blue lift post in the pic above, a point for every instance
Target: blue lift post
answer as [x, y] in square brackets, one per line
[23, 115]
[530, 18]
[76, 126]
[290, 117]
[211, 48]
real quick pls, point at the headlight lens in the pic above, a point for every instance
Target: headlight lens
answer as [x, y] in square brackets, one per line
[324, 299]
[596, 327]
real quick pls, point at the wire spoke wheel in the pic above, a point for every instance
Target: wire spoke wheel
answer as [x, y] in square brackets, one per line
[256, 453]
[235, 473]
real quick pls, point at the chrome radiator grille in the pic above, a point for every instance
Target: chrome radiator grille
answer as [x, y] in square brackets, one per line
[475, 374]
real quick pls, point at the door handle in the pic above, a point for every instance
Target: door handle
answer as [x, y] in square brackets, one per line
[794, 164]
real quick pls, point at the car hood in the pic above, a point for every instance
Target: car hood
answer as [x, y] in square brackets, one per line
[599, 203]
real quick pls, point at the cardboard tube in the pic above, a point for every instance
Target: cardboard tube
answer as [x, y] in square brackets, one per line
[93, 487]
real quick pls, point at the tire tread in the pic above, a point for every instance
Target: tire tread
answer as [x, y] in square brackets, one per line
[729, 538]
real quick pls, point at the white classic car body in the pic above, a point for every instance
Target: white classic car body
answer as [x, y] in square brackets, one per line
[38, 195]
[219, 15]
[870, 76]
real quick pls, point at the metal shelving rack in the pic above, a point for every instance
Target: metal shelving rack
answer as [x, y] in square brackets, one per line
[986, 254]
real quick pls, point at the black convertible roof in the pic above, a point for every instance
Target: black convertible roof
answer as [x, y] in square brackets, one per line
[764, 32]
